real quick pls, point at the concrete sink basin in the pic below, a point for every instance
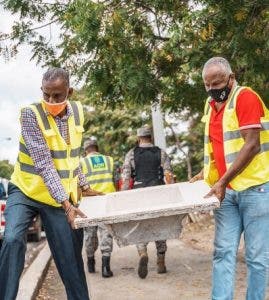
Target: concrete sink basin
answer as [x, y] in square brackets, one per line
[148, 214]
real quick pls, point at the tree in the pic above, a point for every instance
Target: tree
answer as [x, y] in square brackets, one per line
[135, 52]
[186, 148]
[115, 129]
[6, 169]
[142, 51]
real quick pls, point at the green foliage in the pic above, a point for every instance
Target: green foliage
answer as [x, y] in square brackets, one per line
[187, 147]
[141, 50]
[6, 169]
[115, 129]
[128, 54]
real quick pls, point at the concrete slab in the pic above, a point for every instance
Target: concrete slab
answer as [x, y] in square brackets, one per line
[143, 231]
[147, 214]
[146, 203]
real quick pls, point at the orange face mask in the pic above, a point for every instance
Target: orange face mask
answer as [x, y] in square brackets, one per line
[55, 108]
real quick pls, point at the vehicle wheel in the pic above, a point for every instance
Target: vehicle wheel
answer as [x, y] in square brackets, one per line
[36, 236]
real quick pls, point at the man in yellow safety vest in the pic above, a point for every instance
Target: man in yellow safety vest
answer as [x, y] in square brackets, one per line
[236, 159]
[44, 182]
[98, 169]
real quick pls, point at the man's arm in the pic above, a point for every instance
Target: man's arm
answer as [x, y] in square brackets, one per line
[82, 180]
[41, 156]
[127, 170]
[250, 149]
[167, 168]
[199, 176]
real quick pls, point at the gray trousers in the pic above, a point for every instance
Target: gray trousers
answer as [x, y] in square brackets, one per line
[91, 240]
[160, 246]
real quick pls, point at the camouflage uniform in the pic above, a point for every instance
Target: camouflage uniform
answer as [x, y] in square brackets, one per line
[160, 246]
[90, 233]
[98, 169]
[128, 166]
[91, 240]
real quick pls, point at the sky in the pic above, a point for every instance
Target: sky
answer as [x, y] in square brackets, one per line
[20, 81]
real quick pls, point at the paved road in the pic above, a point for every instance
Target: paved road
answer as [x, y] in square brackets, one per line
[188, 277]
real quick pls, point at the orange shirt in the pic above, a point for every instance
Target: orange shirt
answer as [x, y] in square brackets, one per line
[249, 110]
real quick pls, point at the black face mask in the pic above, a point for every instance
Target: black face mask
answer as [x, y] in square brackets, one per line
[220, 95]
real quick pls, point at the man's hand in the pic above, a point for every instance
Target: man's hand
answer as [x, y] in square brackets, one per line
[79, 191]
[168, 177]
[72, 212]
[218, 190]
[90, 192]
[198, 176]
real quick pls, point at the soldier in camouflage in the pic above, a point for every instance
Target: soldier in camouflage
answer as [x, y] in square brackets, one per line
[149, 166]
[98, 169]
[91, 245]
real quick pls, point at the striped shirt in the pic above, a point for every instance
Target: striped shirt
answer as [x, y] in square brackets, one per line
[40, 152]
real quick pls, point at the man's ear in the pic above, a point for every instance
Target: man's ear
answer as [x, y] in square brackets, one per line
[70, 92]
[232, 76]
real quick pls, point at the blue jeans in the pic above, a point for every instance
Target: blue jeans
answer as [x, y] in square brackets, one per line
[65, 244]
[246, 211]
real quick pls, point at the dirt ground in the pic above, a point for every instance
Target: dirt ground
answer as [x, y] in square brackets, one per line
[188, 263]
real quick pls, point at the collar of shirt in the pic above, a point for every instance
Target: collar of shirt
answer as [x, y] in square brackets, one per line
[93, 153]
[145, 145]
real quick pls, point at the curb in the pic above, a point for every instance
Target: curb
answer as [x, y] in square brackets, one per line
[33, 277]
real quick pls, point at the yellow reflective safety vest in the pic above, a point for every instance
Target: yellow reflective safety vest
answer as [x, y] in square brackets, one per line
[65, 156]
[257, 171]
[98, 169]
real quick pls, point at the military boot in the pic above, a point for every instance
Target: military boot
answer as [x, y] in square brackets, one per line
[161, 268]
[91, 264]
[143, 264]
[106, 272]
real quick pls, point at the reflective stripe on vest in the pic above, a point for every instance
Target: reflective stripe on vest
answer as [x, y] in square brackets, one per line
[101, 180]
[59, 154]
[43, 115]
[230, 158]
[62, 173]
[76, 113]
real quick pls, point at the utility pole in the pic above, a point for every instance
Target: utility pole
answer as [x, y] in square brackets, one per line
[158, 127]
